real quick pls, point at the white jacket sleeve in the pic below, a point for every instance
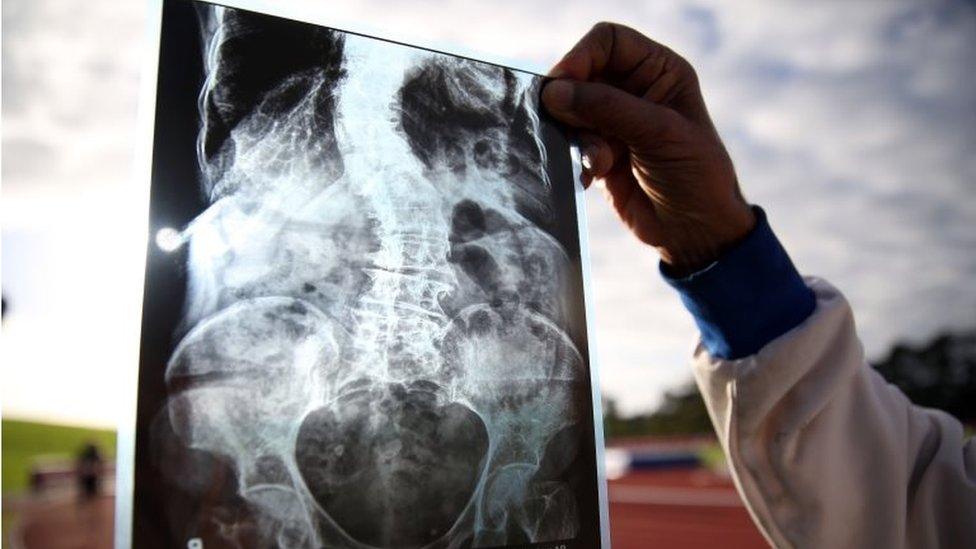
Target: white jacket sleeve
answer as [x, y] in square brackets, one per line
[827, 454]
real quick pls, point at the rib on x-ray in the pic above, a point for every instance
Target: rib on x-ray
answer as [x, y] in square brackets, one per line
[376, 335]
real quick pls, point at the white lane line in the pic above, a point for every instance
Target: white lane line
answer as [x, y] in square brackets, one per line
[690, 497]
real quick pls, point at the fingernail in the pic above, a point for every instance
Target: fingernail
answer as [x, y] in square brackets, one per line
[587, 157]
[558, 95]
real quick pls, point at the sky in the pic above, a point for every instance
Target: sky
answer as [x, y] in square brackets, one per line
[852, 123]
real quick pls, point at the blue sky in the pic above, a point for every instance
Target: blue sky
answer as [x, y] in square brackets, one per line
[853, 124]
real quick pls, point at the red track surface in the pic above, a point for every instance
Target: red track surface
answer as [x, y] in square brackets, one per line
[685, 509]
[65, 524]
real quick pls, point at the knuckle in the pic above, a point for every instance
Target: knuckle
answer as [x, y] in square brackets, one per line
[672, 124]
[603, 27]
[666, 126]
[631, 33]
[682, 66]
[689, 70]
[602, 36]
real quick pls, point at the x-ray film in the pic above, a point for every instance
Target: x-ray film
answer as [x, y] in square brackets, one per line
[364, 321]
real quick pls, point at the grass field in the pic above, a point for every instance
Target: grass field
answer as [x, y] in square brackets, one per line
[25, 441]
[712, 457]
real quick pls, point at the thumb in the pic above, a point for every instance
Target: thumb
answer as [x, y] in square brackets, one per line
[609, 111]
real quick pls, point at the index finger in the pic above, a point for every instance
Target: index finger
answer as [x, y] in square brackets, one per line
[608, 49]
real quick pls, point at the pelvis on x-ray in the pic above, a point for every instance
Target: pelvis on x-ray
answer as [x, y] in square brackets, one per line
[375, 328]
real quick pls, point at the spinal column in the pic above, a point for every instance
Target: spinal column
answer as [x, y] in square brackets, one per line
[398, 319]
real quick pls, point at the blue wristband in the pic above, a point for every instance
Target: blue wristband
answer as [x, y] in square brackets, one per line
[748, 297]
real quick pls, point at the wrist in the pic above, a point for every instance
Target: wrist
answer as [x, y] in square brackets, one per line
[701, 242]
[748, 297]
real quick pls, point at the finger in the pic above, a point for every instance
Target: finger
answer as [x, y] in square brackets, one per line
[631, 204]
[586, 180]
[595, 153]
[608, 49]
[609, 111]
[618, 187]
[637, 64]
[599, 153]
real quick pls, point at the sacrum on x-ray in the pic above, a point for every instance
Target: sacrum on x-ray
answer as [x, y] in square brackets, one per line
[379, 338]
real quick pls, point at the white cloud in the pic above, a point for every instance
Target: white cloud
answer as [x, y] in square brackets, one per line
[853, 123]
[866, 165]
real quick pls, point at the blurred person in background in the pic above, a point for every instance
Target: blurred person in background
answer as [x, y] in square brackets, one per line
[89, 472]
[823, 451]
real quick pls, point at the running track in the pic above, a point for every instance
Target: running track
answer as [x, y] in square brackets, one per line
[685, 509]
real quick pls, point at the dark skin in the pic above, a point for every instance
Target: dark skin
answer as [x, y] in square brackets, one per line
[649, 143]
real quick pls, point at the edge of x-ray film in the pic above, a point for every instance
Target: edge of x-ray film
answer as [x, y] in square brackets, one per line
[143, 176]
[304, 11]
[598, 435]
[125, 461]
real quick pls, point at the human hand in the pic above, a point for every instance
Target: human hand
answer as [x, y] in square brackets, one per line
[648, 141]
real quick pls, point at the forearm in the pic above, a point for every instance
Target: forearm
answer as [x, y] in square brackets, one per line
[825, 453]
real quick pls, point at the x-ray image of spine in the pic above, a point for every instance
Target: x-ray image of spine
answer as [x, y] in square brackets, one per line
[375, 331]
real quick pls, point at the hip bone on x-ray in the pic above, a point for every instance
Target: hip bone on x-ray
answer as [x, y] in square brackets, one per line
[364, 327]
